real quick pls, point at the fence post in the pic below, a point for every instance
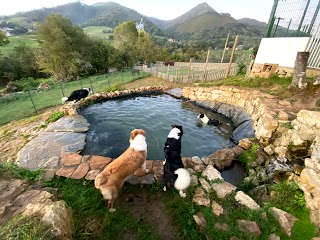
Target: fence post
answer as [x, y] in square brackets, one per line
[234, 47]
[189, 69]
[177, 66]
[79, 78]
[122, 76]
[32, 102]
[206, 66]
[61, 89]
[224, 50]
[91, 85]
[108, 80]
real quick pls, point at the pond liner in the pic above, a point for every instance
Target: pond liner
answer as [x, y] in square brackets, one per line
[242, 121]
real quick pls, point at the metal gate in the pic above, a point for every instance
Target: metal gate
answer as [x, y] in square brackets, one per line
[313, 48]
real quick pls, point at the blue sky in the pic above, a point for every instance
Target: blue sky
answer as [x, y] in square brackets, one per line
[162, 9]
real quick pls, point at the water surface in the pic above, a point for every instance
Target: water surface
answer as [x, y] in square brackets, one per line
[113, 120]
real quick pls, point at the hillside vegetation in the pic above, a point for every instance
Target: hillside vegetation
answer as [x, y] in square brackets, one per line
[187, 27]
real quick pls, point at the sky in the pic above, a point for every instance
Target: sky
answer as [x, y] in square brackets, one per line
[162, 9]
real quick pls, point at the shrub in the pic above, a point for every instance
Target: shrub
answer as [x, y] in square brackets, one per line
[52, 118]
[249, 156]
[241, 68]
[25, 84]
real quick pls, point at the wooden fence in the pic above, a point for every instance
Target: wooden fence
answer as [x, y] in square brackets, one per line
[190, 73]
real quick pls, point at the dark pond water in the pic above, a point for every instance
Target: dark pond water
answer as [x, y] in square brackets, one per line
[113, 120]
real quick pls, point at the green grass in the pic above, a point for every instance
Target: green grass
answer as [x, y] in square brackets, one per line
[19, 105]
[11, 170]
[25, 228]
[91, 216]
[249, 156]
[93, 220]
[275, 86]
[15, 41]
[97, 32]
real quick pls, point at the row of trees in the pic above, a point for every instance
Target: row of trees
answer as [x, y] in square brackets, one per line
[66, 52]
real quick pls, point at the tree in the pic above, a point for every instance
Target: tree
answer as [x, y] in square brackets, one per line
[147, 51]
[299, 72]
[24, 60]
[125, 38]
[63, 48]
[3, 40]
[101, 55]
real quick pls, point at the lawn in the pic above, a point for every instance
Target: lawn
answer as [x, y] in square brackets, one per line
[97, 32]
[20, 105]
[28, 40]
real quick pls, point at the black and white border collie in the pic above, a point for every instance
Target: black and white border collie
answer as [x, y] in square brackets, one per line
[174, 173]
[207, 120]
[77, 95]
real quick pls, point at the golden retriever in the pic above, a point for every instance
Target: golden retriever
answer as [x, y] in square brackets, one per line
[111, 179]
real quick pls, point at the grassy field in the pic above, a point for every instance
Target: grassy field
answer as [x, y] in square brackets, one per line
[28, 40]
[31, 40]
[19, 105]
[97, 32]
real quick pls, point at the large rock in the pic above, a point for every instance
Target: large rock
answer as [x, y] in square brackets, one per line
[286, 220]
[57, 215]
[249, 227]
[76, 123]
[247, 201]
[221, 159]
[16, 197]
[310, 184]
[201, 198]
[47, 147]
[223, 189]
[211, 173]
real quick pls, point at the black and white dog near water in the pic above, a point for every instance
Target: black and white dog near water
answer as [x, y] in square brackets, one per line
[77, 95]
[174, 173]
[207, 120]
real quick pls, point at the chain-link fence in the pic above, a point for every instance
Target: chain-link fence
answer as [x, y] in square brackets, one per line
[293, 18]
[18, 105]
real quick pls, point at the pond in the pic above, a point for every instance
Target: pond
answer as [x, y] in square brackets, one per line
[113, 120]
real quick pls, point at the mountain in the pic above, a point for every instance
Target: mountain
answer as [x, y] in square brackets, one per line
[203, 24]
[200, 24]
[108, 14]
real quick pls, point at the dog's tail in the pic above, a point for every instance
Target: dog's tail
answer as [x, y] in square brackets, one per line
[100, 179]
[183, 180]
[64, 99]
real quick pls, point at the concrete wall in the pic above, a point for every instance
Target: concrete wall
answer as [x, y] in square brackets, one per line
[282, 51]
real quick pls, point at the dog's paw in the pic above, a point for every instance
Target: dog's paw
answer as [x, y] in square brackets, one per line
[182, 194]
[112, 210]
[147, 171]
[165, 188]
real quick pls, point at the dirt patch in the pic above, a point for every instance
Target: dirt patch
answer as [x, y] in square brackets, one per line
[153, 81]
[149, 208]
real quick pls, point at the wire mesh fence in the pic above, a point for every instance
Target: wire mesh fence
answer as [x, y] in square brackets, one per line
[293, 18]
[18, 105]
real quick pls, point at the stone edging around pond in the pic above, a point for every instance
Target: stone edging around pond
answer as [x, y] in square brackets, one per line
[282, 132]
[242, 121]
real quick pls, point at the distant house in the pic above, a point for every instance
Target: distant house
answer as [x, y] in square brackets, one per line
[239, 47]
[171, 40]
